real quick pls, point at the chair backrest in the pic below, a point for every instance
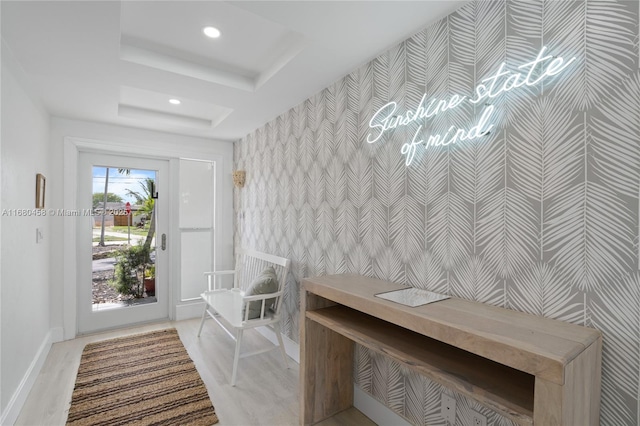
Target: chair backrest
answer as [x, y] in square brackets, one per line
[250, 263]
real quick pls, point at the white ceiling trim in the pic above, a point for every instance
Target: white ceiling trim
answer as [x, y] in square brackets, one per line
[174, 65]
[165, 118]
[139, 52]
[295, 44]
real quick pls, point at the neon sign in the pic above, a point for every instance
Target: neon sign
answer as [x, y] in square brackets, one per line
[502, 81]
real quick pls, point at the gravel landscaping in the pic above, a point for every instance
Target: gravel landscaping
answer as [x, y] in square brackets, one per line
[101, 290]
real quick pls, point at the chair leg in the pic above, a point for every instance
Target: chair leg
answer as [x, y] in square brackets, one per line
[237, 356]
[276, 328]
[204, 317]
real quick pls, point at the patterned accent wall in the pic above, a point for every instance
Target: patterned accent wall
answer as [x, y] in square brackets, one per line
[540, 216]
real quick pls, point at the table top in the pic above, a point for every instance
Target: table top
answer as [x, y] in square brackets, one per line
[537, 345]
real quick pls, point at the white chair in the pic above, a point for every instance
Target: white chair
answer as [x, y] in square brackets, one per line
[232, 304]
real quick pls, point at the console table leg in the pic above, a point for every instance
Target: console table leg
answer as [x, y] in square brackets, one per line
[577, 402]
[327, 372]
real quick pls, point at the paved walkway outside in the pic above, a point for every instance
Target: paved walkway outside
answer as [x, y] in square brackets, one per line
[134, 238]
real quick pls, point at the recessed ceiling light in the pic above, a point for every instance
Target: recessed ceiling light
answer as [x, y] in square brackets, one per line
[211, 32]
[174, 101]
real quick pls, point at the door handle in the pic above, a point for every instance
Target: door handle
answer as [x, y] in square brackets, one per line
[164, 242]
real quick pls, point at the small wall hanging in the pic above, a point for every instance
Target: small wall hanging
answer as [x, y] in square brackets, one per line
[239, 178]
[40, 190]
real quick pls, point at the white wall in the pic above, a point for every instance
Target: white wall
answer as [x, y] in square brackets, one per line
[26, 266]
[128, 140]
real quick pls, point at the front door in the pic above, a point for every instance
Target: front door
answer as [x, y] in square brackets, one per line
[122, 228]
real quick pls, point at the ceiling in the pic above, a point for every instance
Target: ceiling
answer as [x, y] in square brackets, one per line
[120, 62]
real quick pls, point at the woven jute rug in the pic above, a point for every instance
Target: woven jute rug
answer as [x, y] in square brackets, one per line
[145, 379]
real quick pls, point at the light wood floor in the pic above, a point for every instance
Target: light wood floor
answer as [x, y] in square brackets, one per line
[265, 392]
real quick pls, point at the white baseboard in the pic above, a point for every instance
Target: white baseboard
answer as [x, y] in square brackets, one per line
[375, 410]
[19, 397]
[290, 347]
[189, 310]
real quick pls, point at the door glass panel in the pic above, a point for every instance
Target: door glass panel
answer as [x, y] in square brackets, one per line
[124, 243]
[196, 259]
[196, 226]
[196, 194]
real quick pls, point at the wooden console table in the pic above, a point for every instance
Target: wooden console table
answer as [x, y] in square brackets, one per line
[530, 369]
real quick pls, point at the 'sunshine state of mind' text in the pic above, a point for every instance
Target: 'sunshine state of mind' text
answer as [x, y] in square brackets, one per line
[502, 81]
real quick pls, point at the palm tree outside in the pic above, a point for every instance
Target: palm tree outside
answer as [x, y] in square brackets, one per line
[105, 199]
[146, 206]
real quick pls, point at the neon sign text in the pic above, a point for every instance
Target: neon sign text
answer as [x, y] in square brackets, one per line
[502, 81]
[391, 121]
[480, 129]
[556, 66]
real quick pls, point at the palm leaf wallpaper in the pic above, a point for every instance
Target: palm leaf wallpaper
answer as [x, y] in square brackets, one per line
[540, 216]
